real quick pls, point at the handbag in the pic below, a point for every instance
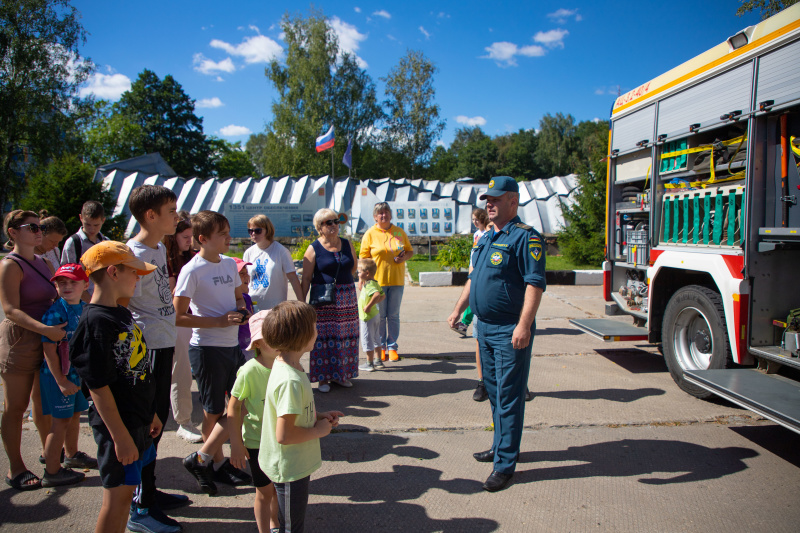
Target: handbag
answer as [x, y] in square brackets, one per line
[324, 294]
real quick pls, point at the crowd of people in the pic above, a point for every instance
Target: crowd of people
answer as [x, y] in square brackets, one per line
[121, 330]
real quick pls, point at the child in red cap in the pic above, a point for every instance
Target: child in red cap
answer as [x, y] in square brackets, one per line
[60, 385]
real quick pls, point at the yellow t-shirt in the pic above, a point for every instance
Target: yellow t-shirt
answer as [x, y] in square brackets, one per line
[383, 246]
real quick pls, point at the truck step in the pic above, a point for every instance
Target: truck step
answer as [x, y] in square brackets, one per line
[609, 330]
[769, 395]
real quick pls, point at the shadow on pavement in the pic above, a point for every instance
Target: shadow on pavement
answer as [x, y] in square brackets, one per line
[14, 510]
[558, 331]
[775, 439]
[612, 395]
[634, 360]
[687, 461]
[361, 446]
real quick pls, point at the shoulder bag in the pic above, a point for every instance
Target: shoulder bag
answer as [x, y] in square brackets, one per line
[324, 294]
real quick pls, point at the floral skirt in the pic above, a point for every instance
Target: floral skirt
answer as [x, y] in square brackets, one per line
[335, 354]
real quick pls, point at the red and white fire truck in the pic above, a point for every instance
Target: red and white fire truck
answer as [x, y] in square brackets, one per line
[703, 222]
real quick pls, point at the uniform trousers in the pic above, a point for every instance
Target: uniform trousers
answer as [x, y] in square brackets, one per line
[505, 376]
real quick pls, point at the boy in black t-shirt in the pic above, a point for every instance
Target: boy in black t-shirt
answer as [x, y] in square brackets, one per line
[111, 357]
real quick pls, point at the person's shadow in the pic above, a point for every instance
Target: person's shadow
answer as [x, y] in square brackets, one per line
[683, 461]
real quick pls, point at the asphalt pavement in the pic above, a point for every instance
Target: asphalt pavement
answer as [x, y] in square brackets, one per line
[611, 444]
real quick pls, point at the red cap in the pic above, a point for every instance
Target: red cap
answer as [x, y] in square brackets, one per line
[240, 264]
[70, 271]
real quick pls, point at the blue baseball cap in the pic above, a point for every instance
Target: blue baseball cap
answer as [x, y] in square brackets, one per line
[500, 185]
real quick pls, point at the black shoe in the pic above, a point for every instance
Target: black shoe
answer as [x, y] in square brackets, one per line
[484, 457]
[480, 394]
[529, 395]
[204, 474]
[44, 461]
[230, 475]
[497, 481]
[166, 501]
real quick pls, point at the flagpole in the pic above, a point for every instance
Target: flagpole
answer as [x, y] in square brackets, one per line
[332, 174]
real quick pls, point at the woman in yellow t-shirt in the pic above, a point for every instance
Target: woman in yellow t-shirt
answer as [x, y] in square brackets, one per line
[388, 246]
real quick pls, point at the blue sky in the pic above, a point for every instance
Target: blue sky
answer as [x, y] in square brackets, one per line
[502, 65]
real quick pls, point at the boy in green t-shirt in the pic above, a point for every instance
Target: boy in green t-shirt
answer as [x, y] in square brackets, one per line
[368, 320]
[291, 427]
[250, 390]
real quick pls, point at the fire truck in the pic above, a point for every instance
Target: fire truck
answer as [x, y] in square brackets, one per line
[703, 222]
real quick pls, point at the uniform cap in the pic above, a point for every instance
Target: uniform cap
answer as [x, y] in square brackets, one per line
[70, 271]
[108, 253]
[500, 185]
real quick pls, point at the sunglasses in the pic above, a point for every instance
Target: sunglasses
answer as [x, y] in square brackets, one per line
[35, 228]
[254, 231]
[331, 222]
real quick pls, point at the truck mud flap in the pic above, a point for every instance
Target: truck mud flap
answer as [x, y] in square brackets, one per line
[609, 330]
[769, 395]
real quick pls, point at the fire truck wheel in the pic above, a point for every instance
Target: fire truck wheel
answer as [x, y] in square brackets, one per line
[694, 335]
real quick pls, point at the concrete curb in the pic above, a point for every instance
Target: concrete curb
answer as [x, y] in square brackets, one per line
[553, 277]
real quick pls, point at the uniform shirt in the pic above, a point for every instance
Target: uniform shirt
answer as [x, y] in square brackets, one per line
[383, 246]
[151, 304]
[288, 393]
[250, 388]
[503, 263]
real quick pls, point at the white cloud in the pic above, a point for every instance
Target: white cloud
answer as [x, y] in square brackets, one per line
[600, 91]
[234, 131]
[504, 52]
[561, 16]
[441, 143]
[552, 38]
[596, 120]
[425, 33]
[471, 121]
[219, 78]
[443, 15]
[357, 9]
[207, 66]
[210, 103]
[349, 38]
[254, 28]
[255, 49]
[382, 13]
[106, 86]
[391, 37]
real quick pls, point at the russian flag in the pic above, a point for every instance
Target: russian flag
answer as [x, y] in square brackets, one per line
[325, 141]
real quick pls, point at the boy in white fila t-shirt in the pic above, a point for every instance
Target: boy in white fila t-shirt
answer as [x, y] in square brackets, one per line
[209, 284]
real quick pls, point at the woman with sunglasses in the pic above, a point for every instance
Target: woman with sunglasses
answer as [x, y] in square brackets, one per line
[272, 267]
[331, 259]
[388, 246]
[26, 293]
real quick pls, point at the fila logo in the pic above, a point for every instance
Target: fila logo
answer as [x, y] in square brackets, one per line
[222, 279]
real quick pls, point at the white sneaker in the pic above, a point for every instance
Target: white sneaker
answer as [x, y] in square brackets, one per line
[367, 367]
[189, 434]
[346, 383]
[324, 388]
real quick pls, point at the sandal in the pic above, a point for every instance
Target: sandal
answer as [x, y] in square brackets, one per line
[21, 481]
[64, 476]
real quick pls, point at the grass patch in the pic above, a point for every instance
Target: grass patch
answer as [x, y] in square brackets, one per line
[559, 262]
[419, 264]
[416, 266]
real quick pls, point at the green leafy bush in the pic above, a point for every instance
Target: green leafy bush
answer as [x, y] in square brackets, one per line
[455, 254]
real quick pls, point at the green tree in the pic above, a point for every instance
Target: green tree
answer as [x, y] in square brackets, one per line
[40, 73]
[230, 160]
[556, 144]
[476, 155]
[442, 164]
[111, 136]
[583, 239]
[63, 185]
[516, 155]
[412, 117]
[165, 115]
[767, 7]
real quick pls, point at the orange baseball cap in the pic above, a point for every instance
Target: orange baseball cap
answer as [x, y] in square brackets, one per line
[109, 253]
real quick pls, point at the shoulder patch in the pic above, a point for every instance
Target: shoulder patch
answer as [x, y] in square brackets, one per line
[523, 226]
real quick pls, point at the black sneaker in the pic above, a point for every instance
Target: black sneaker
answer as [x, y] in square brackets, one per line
[151, 520]
[166, 501]
[529, 395]
[230, 475]
[480, 394]
[204, 474]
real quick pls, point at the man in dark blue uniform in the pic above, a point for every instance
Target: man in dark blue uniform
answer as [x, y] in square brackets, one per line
[505, 286]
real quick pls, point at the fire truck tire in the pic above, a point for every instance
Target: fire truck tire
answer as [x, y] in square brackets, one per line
[694, 335]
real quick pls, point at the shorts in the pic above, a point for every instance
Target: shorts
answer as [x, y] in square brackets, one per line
[54, 402]
[215, 368]
[20, 349]
[370, 333]
[112, 472]
[260, 479]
